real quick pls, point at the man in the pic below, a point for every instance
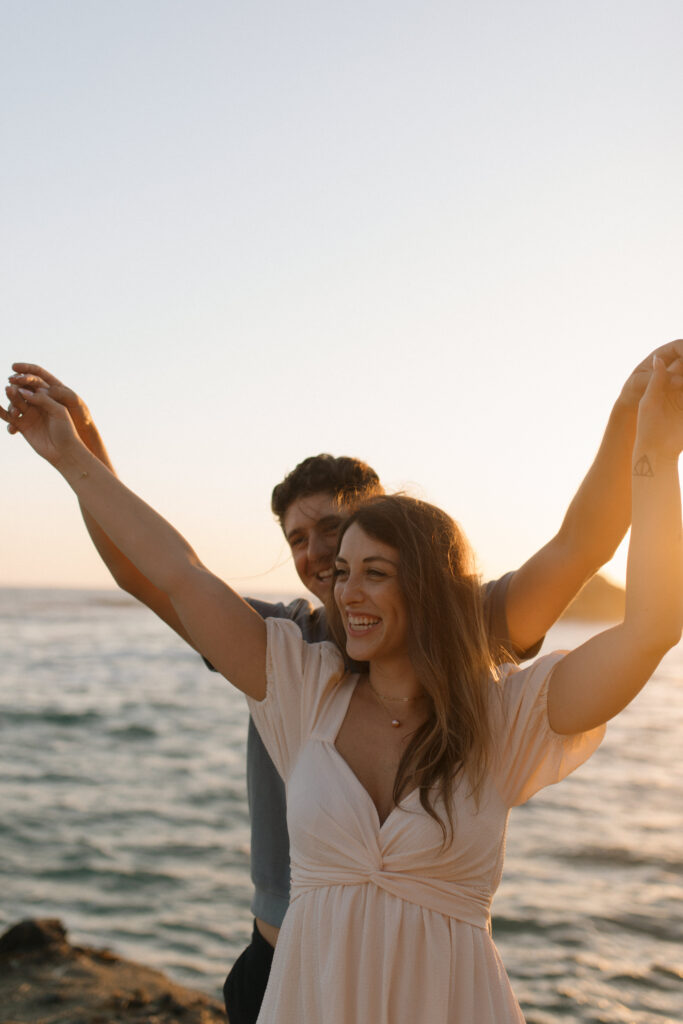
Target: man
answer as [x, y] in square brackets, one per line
[310, 504]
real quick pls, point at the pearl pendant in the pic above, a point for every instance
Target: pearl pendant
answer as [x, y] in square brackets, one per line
[395, 722]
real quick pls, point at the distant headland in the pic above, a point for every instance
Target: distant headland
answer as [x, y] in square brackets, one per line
[598, 601]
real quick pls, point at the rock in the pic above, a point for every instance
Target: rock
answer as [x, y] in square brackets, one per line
[598, 601]
[46, 980]
[31, 936]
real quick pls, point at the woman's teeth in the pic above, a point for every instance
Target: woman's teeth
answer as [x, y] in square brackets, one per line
[361, 623]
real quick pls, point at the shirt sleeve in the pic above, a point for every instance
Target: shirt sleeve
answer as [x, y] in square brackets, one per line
[298, 677]
[495, 594]
[529, 754]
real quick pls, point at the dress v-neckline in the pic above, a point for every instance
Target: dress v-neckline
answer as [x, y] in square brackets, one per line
[332, 741]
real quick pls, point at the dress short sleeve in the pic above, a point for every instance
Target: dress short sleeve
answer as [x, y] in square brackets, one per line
[298, 677]
[529, 754]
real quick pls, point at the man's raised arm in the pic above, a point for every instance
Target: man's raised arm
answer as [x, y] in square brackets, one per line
[126, 575]
[595, 522]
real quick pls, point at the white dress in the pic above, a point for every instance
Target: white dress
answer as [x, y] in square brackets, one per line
[384, 925]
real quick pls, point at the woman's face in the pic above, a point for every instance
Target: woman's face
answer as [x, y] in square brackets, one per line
[369, 598]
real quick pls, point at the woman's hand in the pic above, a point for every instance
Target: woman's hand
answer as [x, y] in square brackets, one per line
[32, 377]
[660, 415]
[43, 422]
[634, 388]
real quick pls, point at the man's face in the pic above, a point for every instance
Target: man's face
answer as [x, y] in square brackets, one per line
[311, 525]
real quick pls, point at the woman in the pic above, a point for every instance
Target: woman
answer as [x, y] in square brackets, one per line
[400, 778]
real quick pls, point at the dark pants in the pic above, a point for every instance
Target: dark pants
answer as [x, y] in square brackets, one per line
[246, 984]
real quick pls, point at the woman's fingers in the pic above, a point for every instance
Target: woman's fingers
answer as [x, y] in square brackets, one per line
[17, 409]
[675, 370]
[58, 391]
[18, 398]
[36, 371]
[33, 381]
[10, 414]
[28, 407]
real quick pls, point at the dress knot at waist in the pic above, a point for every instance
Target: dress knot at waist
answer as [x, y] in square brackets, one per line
[468, 905]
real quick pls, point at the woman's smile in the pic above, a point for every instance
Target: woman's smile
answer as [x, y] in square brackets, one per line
[369, 597]
[359, 625]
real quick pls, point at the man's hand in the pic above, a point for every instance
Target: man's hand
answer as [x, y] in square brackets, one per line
[21, 418]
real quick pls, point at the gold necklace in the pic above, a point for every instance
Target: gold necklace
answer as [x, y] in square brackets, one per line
[380, 698]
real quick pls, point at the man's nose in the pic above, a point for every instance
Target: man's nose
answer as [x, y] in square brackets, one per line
[317, 548]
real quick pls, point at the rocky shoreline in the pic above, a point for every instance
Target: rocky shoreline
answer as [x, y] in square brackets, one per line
[46, 980]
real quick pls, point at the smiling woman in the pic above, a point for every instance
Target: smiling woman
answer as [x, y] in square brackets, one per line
[398, 553]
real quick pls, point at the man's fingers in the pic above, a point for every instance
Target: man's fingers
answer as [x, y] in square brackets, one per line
[58, 391]
[5, 416]
[37, 371]
[28, 380]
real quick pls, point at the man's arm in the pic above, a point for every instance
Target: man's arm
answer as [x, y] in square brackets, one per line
[595, 522]
[125, 574]
[230, 634]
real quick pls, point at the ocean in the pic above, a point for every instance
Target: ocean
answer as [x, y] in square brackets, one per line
[123, 812]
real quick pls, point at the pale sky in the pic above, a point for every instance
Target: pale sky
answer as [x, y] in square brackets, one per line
[435, 235]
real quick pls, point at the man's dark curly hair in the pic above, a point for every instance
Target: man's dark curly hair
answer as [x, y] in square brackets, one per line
[348, 480]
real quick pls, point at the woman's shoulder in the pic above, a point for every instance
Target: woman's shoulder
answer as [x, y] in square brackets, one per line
[511, 683]
[289, 650]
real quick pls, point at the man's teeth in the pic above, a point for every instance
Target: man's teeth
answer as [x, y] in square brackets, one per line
[326, 575]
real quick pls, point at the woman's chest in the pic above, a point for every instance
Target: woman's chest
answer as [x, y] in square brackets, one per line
[333, 819]
[373, 742]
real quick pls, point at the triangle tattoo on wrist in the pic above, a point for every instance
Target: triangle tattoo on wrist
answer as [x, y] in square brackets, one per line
[643, 467]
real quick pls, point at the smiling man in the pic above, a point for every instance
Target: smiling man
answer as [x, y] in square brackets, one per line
[310, 503]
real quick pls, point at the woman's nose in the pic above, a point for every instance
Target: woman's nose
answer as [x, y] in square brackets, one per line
[353, 589]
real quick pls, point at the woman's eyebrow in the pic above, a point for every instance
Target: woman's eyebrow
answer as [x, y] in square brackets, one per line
[370, 558]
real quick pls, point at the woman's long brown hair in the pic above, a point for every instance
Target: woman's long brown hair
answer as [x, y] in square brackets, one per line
[448, 643]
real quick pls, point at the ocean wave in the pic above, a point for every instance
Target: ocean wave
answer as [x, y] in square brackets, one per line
[50, 716]
[620, 856]
[132, 732]
[661, 926]
[109, 878]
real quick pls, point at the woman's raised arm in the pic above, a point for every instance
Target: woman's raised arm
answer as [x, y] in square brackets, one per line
[221, 625]
[594, 682]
